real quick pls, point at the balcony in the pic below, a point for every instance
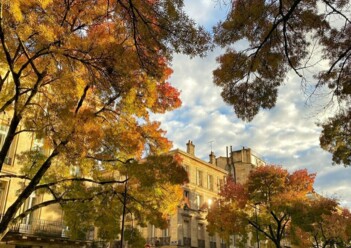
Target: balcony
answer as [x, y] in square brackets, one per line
[159, 241]
[38, 228]
[41, 228]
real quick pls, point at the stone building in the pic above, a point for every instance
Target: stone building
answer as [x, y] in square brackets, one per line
[187, 228]
[43, 227]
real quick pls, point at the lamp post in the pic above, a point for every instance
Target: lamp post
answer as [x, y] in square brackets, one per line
[128, 162]
[124, 209]
[257, 240]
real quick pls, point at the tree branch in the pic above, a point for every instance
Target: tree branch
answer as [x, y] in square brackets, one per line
[260, 229]
[15, 176]
[47, 185]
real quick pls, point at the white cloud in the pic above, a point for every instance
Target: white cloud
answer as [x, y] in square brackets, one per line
[285, 135]
[206, 12]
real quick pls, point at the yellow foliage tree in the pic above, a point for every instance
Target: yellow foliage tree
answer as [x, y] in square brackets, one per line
[84, 75]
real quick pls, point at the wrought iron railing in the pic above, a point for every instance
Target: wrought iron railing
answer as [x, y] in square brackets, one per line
[44, 228]
[159, 241]
[41, 228]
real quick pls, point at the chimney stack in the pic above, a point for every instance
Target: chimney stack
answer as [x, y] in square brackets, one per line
[190, 148]
[212, 158]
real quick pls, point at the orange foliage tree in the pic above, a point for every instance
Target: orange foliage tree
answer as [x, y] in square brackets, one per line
[84, 77]
[322, 224]
[268, 205]
[283, 36]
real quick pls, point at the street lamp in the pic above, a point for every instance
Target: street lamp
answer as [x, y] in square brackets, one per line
[257, 240]
[128, 162]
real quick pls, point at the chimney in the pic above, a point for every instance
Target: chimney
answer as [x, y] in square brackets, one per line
[212, 158]
[190, 148]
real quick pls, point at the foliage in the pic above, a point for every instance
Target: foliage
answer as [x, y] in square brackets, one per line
[226, 216]
[269, 203]
[84, 77]
[134, 238]
[336, 137]
[322, 224]
[280, 36]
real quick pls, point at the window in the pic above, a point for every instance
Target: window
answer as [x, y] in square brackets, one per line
[30, 202]
[210, 182]
[186, 168]
[219, 184]
[186, 229]
[200, 231]
[165, 232]
[200, 236]
[186, 195]
[9, 159]
[3, 133]
[198, 201]
[3, 187]
[199, 177]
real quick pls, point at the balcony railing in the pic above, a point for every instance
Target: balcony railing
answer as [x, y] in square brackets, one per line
[159, 241]
[44, 228]
[223, 245]
[41, 228]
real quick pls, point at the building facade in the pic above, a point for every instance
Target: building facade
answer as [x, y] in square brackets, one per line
[187, 228]
[43, 227]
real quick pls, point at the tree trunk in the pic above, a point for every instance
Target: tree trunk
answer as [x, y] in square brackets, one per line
[11, 212]
[9, 138]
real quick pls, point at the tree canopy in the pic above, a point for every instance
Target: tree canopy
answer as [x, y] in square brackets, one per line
[282, 36]
[321, 224]
[83, 77]
[274, 205]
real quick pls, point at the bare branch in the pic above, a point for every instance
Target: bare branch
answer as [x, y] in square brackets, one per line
[337, 11]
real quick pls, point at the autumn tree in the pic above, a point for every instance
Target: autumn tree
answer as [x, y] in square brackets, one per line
[265, 206]
[83, 77]
[151, 194]
[226, 217]
[283, 36]
[322, 224]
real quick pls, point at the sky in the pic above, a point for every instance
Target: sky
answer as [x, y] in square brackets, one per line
[286, 135]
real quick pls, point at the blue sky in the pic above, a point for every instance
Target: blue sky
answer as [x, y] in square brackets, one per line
[286, 135]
